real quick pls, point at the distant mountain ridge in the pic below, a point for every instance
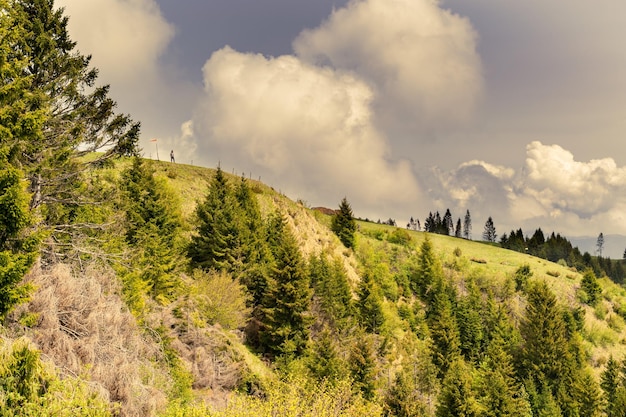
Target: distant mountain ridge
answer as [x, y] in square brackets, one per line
[614, 245]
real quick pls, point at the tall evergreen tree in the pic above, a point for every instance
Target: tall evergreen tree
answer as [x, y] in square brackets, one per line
[21, 120]
[545, 356]
[457, 397]
[370, 305]
[80, 117]
[286, 317]
[457, 230]
[154, 231]
[467, 225]
[447, 227]
[362, 365]
[600, 244]
[343, 224]
[489, 234]
[216, 242]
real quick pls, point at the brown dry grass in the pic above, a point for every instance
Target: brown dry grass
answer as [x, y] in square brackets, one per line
[85, 329]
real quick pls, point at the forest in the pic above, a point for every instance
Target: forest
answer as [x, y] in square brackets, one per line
[131, 287]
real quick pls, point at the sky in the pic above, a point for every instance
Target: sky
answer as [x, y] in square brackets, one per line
[514, 110]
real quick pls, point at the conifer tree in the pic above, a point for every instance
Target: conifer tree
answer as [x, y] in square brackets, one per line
[362, 365]
[80, 117]
[545, 355]
[489, 234]
[215, 244]
[444, 332]
[154, 227]
[457, 397]
[428, 271]
[286, 317]
[467, 226]
[331, 288]
[370, 305]
[343, 224]
[324, 362]
[457, 230]
[21, 121]
[589, 284]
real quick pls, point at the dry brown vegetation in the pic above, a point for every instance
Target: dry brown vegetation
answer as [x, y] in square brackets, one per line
[81, 325]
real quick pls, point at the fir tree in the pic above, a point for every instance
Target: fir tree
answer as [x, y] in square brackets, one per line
[457, 230]
[286, 318]
[457, 397]
[154, 227]
[362, 365]
[215, 244]
[589, 284]
[370, 305]
[467, 226]
[80, 117]
[343, 224]
[545, 355]
[331, 288]
[489, 234]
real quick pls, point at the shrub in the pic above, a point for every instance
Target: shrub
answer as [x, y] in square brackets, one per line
[400, 237]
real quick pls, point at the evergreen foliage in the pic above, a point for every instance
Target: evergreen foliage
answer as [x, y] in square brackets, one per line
[489, 233]
[343, 224]
[79, 116]
[286, 317]
[457, 397]
[154, 227]
[467, 225]
[362, 365]
[369, 305]
[330, 283]
[589, 284]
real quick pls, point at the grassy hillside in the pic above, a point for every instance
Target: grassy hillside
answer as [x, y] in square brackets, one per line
[131, 353]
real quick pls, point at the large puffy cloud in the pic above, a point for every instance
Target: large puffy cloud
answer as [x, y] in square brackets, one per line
[125, 37]
[305, 128]
[127, 40]
[561, 184]
[552, 191]
[420, 59]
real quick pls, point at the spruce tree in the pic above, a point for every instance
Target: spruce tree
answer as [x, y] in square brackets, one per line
[589, 284]
[286, 318]
[545, 355]
[154, 232]
[467, 226]
[21, 121]
[215, 244]
[362, 365]
[79, 118]
[489, 234]
[343, 224]
[369, 305]
[457, 397]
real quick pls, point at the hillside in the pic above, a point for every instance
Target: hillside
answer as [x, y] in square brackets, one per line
[105, 339]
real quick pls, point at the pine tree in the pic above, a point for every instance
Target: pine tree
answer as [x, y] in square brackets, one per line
[600, 244]
[467, 226]
[21, 121]
[215, 244]
[457, 230]
[457, 397]
[489, 234]
[324, 362]
[428, 271]
[589, 284]
[331, 288]
[545, 354]
[286, 317]
[343, 224]
[444, 332]
[154, 232]
[80, 117]
[447, 226]
[370, 305]
[362, 365]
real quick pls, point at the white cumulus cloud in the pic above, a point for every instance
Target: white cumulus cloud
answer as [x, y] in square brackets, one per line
[125, 37]
[420, 59]
[305, 127]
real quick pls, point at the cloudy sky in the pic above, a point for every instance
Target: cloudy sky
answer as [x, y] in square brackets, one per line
[515, 110]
